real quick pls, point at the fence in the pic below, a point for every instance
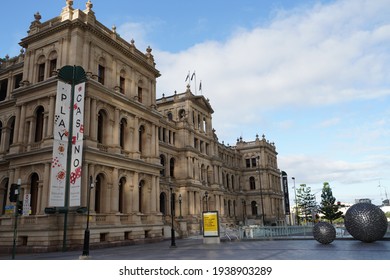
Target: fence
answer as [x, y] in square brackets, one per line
[275, 232]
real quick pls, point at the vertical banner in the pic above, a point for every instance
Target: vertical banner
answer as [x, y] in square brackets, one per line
[286, 195]
[77, 145]
[60, 145]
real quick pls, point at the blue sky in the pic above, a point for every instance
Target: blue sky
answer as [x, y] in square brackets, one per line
[313, 76]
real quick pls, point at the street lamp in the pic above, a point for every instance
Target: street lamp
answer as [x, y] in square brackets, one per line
[173, 242]
[243, 211]
[180, 200]
[261, 191]
[296, 202]
[206, 194]
[86, 233]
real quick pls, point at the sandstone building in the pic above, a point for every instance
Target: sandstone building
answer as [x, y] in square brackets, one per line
[142, 153]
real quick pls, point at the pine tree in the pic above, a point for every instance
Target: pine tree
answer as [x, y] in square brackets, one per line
[306, 202]
[328, 208]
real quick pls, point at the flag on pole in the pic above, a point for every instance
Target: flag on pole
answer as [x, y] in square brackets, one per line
[200, 85]
[188, 76]
[193, 74]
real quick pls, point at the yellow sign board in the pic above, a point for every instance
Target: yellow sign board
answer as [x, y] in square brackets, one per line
[210, 224]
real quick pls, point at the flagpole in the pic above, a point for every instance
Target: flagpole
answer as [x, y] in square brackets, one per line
[187, 78]
[195, 83]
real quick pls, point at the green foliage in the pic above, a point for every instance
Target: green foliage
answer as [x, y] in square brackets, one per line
[328, 207]
[306, 202]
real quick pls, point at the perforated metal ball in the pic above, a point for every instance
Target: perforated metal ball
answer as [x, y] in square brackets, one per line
[324, 232]
[366, 222]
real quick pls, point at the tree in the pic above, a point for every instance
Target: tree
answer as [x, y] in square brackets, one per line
[328, 208]
[306, 202]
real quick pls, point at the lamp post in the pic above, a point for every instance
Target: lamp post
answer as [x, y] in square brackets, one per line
[261, 191]
[296, 204]
[17, 206]
[206, 194]
[243, 211]
[173, 242]
[86, 233]
[180, 200]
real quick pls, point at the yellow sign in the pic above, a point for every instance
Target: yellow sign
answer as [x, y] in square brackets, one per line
[210, 224]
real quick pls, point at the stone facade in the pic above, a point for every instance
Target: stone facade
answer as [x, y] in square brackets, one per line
[140, 151]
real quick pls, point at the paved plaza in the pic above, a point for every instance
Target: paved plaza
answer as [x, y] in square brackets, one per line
[195, 249]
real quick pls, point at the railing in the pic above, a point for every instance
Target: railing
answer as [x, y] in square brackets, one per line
[260, 232]
[275, 232]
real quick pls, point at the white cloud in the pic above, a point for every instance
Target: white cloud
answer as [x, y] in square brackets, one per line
[319, 56]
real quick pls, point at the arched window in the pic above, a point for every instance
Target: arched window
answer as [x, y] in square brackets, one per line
[182, 114]
[233, 182]
[254, 208]
[3, 195]
[170, 116]
[102, 118]
[163, 203]
[101, 71]
[162, 162]
[210, 175]
[140, 195]
[52, 63]
[34, 187]
[41, 68]
[229, 208]
[122, 133]
[141, 132]
[11, 126]
[202, 173]
[252, 183]
[139, 91]
[121, 195]
[122, 82]
[98, 193]
[1, 131]
[172, 168]
[227, 181]
[39, 118]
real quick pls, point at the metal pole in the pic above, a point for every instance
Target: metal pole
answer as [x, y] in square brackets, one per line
[68, 159]
[207, 201]
[296, 203]
[180, 200]
[73, 75]
[87, 233]
[16, 221]
[173, 242]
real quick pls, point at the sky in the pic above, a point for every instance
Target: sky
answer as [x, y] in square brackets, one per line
[312, 76]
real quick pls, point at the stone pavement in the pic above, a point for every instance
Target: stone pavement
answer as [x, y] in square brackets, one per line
[194, 249]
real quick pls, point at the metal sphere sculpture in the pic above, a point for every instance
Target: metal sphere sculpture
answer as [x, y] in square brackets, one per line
[366, 222]
[324, 232]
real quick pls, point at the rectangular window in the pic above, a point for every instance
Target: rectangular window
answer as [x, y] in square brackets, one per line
[140, 94]
[17, 80]
[254, 162]
[248, 163]
[3, 89]
[41, 72]
[101, 74]
[121, 85]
